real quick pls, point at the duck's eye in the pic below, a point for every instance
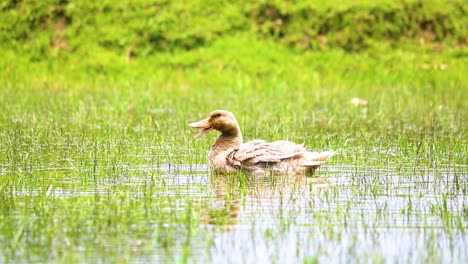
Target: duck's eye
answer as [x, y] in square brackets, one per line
[217, 115]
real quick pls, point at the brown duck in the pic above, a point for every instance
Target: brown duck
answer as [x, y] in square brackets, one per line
[257, 157]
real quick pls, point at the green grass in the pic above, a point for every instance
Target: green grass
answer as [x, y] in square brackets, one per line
[97, 162]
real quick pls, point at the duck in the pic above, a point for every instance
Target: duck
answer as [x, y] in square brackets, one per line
[230, 154]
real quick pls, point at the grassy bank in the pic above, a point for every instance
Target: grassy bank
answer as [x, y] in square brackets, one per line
[142, 28]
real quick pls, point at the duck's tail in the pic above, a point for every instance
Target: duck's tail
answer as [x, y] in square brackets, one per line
[315, 159]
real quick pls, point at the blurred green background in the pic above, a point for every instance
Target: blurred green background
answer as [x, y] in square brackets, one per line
[112, 34]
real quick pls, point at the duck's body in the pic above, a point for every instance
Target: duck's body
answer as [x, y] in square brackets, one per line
[230, 154]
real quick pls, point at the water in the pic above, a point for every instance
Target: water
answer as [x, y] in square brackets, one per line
[354, 214]
[349, 221]
[346, 214]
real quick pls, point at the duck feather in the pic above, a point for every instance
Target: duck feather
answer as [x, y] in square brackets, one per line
[230, 153]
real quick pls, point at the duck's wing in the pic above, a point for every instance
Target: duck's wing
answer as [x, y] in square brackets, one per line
[259, 151]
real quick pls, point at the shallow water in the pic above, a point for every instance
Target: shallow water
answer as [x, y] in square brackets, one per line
[346, 213]
[360, 214]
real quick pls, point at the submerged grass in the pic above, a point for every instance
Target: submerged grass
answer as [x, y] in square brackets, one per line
[97, 162]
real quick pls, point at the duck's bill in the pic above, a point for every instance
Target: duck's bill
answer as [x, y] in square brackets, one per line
[204, 125]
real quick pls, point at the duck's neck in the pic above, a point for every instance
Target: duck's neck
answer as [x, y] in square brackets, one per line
[227, 140]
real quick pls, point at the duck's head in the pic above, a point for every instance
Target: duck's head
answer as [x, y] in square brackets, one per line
[221, 120]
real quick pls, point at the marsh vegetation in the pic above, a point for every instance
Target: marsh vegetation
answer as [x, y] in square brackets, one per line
[97, 162]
